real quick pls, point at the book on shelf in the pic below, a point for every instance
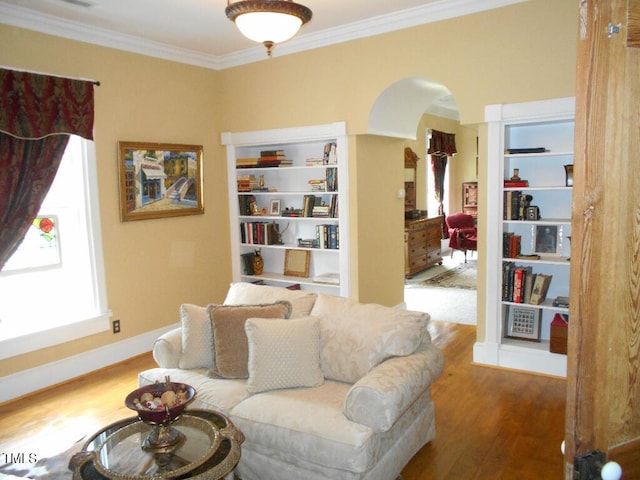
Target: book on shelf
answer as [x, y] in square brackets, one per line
[561, 302]
[332, 180]
[260, 233]
[330, 155]
[314, 161]
[511, 205]
[520, 276]
[515, 151]
[540, 288]
[530, 256]
[247, 204]
[318, 185]
[530, 279]
[247, 162]
[516, 183]
[328, 278]
[328, 236]
[511, 244]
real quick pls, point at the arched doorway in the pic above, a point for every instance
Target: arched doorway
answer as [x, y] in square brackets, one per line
[409, 109]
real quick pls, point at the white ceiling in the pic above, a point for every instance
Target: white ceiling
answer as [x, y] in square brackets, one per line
[198, 32]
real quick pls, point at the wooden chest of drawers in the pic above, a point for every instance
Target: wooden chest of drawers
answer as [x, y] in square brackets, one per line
[421, 244]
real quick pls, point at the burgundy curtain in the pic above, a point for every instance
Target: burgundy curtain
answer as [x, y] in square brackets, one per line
[37, 115]
[441, 146]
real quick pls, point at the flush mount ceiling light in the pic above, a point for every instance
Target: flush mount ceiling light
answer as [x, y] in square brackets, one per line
[268, 21]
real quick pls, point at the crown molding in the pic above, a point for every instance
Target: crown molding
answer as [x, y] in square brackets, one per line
[428, 13]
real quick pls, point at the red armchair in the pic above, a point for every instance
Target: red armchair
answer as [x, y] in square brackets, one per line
[463, 234]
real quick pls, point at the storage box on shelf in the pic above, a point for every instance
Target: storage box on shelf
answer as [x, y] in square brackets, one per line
[529, 222]
[292, 201]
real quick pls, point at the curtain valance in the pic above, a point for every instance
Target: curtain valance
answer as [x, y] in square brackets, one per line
[442, 143]
[34, 106]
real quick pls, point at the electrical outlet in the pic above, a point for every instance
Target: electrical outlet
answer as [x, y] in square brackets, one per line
[116, 326]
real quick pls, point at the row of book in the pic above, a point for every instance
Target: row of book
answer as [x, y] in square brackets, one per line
[260, 233]
[267, 158]
[513, 205]
[521, 285]
[327, 236]
[313, 206]
[511, 246]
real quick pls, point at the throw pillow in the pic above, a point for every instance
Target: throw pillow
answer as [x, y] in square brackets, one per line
[283, 353]
[243, 293]
[356, 336]
[230, 340]
[197, 337]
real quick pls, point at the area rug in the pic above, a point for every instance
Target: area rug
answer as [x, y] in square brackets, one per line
[463, 276]
[53, 468]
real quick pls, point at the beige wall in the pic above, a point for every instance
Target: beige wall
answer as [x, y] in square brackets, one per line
[517, 53]
[152, 266]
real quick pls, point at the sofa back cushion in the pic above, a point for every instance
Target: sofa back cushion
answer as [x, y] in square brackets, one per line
[231, 347]
[356, 337]
[243, 293]
[283, 353]
[197, 337]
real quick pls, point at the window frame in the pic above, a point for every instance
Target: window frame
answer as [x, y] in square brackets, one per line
[100, 321]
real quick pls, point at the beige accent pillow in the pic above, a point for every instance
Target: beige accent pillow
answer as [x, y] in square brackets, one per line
[283, 353]
[243, 293]
[357, 336]
[197, 337]
[229, 338]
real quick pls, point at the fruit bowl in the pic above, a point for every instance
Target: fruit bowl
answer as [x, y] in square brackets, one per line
[160, 403]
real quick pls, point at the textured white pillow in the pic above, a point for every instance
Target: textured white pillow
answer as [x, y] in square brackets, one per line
[357, 336]
[283, 353]
[197, 337]
[243, 293]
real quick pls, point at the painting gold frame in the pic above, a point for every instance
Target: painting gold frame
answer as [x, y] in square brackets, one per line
[159, 180]
[296, 262]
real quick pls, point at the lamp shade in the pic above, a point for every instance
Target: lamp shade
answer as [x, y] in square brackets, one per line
[268, 26]
[268, 21]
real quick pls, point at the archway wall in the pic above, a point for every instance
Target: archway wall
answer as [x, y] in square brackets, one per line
[518, 53]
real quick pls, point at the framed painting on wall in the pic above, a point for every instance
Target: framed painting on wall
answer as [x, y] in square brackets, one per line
[159, 180]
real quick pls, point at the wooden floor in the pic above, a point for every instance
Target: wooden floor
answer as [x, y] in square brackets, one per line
[491, 424]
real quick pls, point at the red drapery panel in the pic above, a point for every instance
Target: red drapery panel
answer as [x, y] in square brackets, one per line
[35, 106]
[441, 146]
[37, 114]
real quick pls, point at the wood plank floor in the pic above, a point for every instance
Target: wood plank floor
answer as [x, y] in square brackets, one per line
[491, 424]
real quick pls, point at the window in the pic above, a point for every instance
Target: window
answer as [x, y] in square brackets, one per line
[52, 290]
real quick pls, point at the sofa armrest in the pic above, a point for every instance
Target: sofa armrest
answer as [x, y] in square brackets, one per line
[379, 398]
[167, 349]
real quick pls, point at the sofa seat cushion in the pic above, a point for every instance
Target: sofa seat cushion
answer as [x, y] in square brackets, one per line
[308, 424]
[356, 337]
[243, 293]
[211, 393]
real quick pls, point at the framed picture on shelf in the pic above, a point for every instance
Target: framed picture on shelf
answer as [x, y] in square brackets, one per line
[523, 323]
[546, 240]
[159, 180]
[274, 208]
[296, 262]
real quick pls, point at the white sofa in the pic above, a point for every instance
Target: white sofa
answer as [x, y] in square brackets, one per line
[339, 390]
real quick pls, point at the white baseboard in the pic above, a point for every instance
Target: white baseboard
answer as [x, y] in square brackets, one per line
[47, 375]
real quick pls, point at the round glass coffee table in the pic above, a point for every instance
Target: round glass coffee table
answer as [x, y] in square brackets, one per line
[209, 449]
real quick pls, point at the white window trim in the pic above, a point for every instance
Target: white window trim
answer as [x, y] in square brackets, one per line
[89, 326]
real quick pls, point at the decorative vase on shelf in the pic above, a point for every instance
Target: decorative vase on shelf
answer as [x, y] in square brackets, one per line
[568, 170]
[516, 173]
[258, 262]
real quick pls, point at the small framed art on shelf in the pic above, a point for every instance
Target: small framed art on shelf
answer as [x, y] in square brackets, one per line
[523, 323]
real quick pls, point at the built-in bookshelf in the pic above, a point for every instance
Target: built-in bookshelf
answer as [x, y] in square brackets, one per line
[286, 199]
[530, 158]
